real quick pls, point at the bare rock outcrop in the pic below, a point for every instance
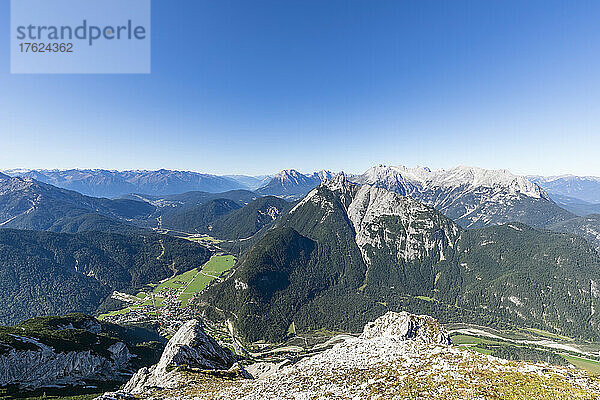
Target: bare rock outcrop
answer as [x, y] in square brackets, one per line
[44, 365]
[189, 349]
[405, 326]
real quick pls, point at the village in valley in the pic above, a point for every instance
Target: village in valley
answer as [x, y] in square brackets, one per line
[171, 302]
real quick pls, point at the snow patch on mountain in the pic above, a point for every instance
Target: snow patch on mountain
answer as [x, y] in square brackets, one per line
[473, 197]
[421, 178]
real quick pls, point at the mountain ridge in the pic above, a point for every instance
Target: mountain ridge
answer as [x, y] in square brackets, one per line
[28, 204]
[347, 251]
[113, 183]
[586, 188]
[291, 184]
[471, 196]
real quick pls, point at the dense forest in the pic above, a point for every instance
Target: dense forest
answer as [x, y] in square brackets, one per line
[310, 271]
[44, 273]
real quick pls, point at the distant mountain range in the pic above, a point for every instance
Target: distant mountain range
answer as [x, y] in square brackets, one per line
[28, 204]
[576, 206]
[347, 252]
[105, 183]
[586, 188]
[251, 182]
[292, 184]
[473, 197]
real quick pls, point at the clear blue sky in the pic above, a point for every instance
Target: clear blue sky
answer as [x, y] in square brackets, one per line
[257, 86]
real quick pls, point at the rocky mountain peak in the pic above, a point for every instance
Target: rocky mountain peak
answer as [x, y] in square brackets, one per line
[190, 348]
[289, 175]
[405, 326]
[338, 182]
[473, 197]
[193, 347]
[323, 175]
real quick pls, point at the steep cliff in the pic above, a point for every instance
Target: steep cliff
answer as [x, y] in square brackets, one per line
[71, 350]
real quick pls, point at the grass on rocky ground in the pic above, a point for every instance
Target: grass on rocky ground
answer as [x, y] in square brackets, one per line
[472, 342]
[76, 397]
[591, 366]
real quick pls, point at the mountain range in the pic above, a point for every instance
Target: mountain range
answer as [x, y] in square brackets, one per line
[347, 251]
[472, 197]
[251, 182]
[315, 251]
[105, 183]
[585, 188]
[292, 185]
[29, 204]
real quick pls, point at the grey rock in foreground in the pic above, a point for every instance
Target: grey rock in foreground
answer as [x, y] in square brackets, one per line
[189, 349]
[398, 356]
[118, 395]
[407, 326]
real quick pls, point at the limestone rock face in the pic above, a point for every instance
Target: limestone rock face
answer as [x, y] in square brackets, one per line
[46, 366]
[190, 348]
[407, 326]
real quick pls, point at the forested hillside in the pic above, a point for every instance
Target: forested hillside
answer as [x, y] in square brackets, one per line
[43, 273]
[245, 222]
[346, 253]
[587, 227]
[29, 204]
[199, 218]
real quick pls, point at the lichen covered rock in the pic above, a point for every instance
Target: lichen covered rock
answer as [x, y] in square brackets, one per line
[407, 326]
